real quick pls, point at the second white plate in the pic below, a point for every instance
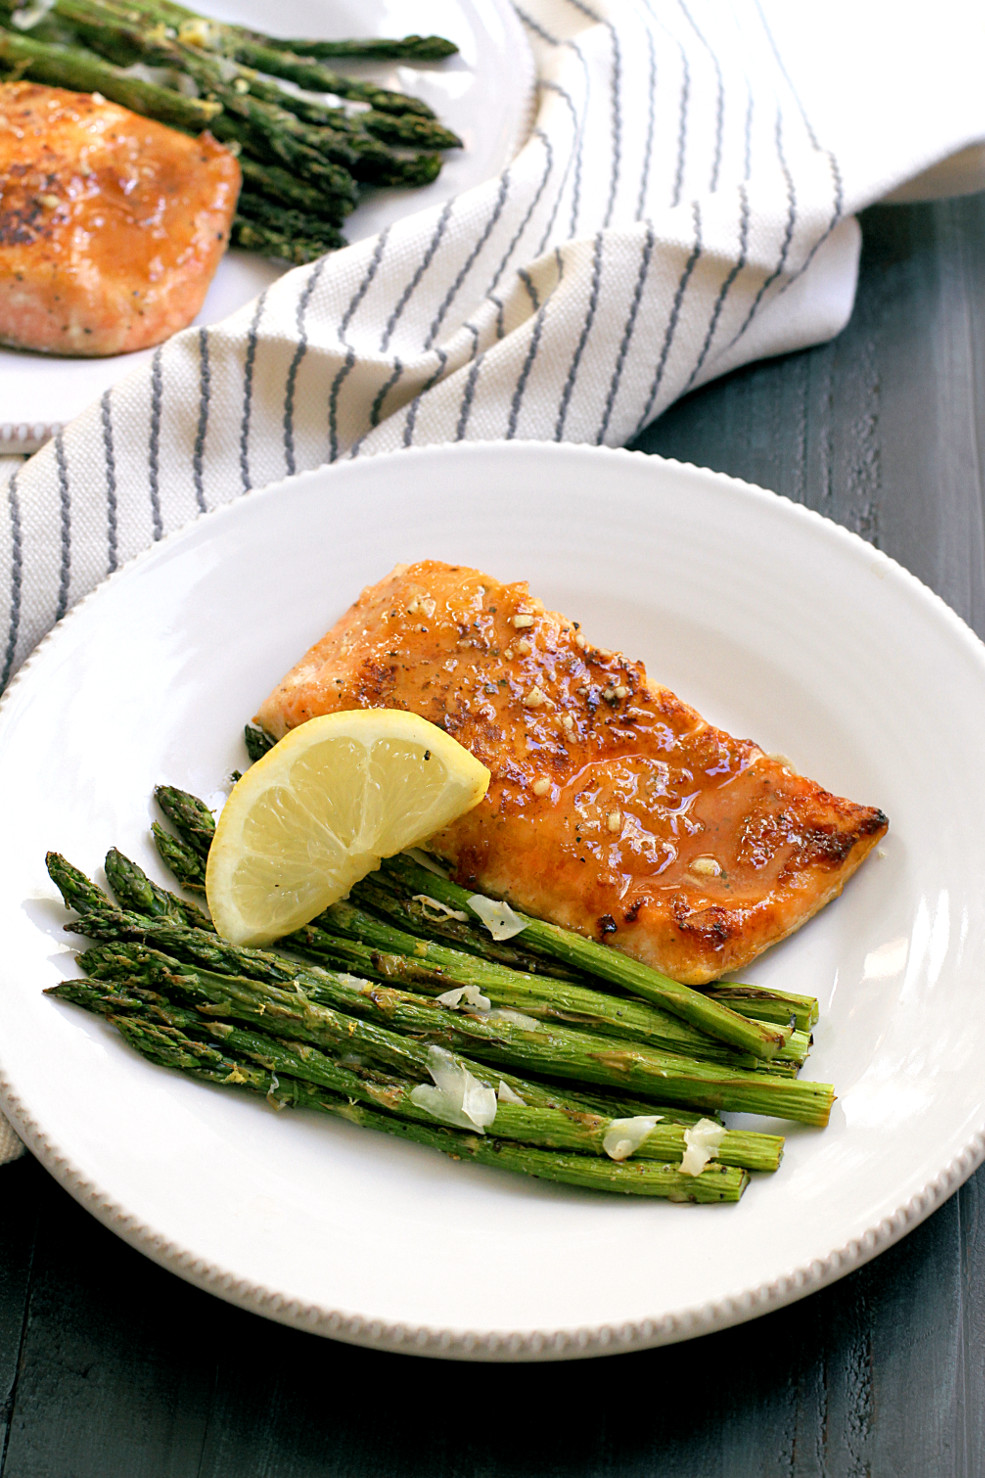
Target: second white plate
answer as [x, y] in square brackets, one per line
[485, 94]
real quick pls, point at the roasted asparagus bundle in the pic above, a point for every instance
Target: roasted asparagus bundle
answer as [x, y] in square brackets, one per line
[398, 1011]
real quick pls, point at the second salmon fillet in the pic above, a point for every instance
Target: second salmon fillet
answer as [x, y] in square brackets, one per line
[614, 808]
[111, 225]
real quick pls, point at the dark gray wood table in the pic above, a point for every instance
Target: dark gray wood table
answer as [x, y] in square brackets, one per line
[113, 1368]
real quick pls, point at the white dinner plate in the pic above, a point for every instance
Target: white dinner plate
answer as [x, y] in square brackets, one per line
[485, 94]
[777, 625]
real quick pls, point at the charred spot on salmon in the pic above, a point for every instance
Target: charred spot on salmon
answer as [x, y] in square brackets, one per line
[712, 924]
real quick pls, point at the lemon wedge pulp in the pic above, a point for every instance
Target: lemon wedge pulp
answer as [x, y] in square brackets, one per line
[321, 808]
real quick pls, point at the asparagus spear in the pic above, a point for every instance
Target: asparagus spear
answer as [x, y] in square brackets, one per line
[417, 915]
[290, 239]
[142, 896]
[219, 965]
[197, 823]
[615, 1016]
[377, 951]
[298, 1018]
[260, 126]
[236, 43]
[77, 890]
[493, 1037]
[80, 893]
[160, 22]
[553, 1051]
[276, 186]
[403, 49]
[374, 947]
[762, 1039]
[63, 66]
[136, 892]
[191, 818]
[290, 1013]
[183, 855]
[551, 1128]
[381, 894]
[766, 1005]
[407, 48]
[658, 1030]
[171, 1048]
[181, 860]
[717, 1182]
[271, 131]
[257, 741]
[309, 73]
[409, 130]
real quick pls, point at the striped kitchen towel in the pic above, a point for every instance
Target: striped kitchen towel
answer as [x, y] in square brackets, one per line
[683, 204]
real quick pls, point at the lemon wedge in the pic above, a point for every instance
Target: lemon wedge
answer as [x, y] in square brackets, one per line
[321, 808]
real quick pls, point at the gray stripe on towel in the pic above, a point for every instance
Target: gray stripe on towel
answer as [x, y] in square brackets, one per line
[16, 579]
[111, 504]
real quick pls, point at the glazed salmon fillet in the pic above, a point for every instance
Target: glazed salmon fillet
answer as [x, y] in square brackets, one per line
[111, 225]
[614, 808]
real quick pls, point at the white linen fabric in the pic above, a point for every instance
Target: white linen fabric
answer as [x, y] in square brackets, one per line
[684, 204]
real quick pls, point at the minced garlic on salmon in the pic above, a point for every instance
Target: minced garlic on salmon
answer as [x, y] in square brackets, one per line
[614, 808]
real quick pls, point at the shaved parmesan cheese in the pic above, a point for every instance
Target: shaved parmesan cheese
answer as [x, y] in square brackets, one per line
[624, 1136]
[438, 910]
[195, 32]
[278, 1103]
[29, 15]
[506, 1094]
[188, 87]
[503, 1013]
[701, 1141]
[457, 1097]
[470, 994]
[497, 916]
